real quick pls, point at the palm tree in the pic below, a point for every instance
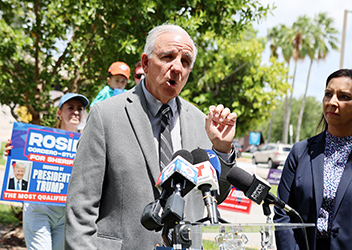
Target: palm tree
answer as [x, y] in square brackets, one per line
[298, 38]
[323, 36]
[279, 39]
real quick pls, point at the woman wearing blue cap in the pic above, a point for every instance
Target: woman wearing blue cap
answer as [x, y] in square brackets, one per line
[43, 225]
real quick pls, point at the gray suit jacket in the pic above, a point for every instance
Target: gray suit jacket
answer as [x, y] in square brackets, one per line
[115, 171]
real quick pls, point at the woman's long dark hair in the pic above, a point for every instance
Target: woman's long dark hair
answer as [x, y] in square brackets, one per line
[336, 74]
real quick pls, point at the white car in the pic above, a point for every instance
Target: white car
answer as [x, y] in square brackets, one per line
[274, 154]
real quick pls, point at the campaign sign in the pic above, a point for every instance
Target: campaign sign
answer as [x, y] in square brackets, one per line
[236, 201]
[254, 138]
[38, 168]
[274, 176]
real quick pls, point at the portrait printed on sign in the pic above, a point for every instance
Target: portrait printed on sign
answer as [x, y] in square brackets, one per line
[19, 175]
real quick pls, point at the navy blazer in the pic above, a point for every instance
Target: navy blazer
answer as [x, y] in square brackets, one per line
[301, 187]
[11, 184]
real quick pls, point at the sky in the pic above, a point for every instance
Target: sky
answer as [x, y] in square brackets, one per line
[287, 12]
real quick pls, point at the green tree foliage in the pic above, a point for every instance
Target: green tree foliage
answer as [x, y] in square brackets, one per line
[232, 73]
[68, 45]
[311, 117]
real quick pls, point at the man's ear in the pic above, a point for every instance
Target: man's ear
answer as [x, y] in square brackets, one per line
[144, 62]
[108, 79]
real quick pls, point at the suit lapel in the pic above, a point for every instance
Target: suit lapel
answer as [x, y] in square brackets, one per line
[136, 108]
[187, 135]
[317, 164]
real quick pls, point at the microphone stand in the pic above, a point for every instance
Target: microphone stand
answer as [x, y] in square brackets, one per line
[215, 219]
[267, 236]
[176, 233]
[266, 210]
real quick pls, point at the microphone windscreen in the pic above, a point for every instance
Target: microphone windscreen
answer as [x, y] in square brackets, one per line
[199, 155]
[240, 178]
[184, 154]
[214, 160]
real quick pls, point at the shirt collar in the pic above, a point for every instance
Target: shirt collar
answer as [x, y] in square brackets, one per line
[154, 104]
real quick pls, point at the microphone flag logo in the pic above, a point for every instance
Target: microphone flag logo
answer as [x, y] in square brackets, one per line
[179, 166]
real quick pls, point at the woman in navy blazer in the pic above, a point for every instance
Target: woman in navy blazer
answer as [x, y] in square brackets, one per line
[316, 179]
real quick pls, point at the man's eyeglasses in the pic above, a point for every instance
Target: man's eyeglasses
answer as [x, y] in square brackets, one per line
[138, 76]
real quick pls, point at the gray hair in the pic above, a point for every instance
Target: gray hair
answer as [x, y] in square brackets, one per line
[164, 28]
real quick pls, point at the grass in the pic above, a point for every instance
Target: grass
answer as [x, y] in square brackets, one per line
[246, 156]
[273, 190]
[7, 215]
[211, 245]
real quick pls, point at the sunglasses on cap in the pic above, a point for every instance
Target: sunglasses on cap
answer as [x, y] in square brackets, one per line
[138, 76]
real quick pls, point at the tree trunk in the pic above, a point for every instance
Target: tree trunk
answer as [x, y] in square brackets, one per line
[300, 117]
[285, 117]
[270, 126]
[288, 113]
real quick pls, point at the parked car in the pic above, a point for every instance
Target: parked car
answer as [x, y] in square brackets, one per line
[274, 154]
[253, 148]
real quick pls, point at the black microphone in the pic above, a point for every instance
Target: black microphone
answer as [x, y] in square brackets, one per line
[178, 178]
[207, 182]
[256, 188]
[175, 181]
[180, 170]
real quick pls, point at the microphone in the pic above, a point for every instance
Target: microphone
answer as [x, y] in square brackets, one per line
[207, 182]
[179, 170]
[178, 178]
[214, 160]
[256, 188]
[178, 175]
[151, 216]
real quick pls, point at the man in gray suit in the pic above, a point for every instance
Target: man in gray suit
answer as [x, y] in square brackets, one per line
[117, 162]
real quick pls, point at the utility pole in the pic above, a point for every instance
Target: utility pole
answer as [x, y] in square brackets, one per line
[343, 37]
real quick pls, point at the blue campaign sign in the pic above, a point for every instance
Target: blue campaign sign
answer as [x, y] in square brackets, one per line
[38, 168]
[254, 138]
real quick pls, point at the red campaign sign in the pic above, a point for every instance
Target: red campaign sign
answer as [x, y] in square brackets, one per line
[236, 202]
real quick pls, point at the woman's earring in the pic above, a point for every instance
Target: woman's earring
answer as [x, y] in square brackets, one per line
[58, 117]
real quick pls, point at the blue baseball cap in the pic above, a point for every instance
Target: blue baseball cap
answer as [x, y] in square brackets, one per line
[70, 96]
